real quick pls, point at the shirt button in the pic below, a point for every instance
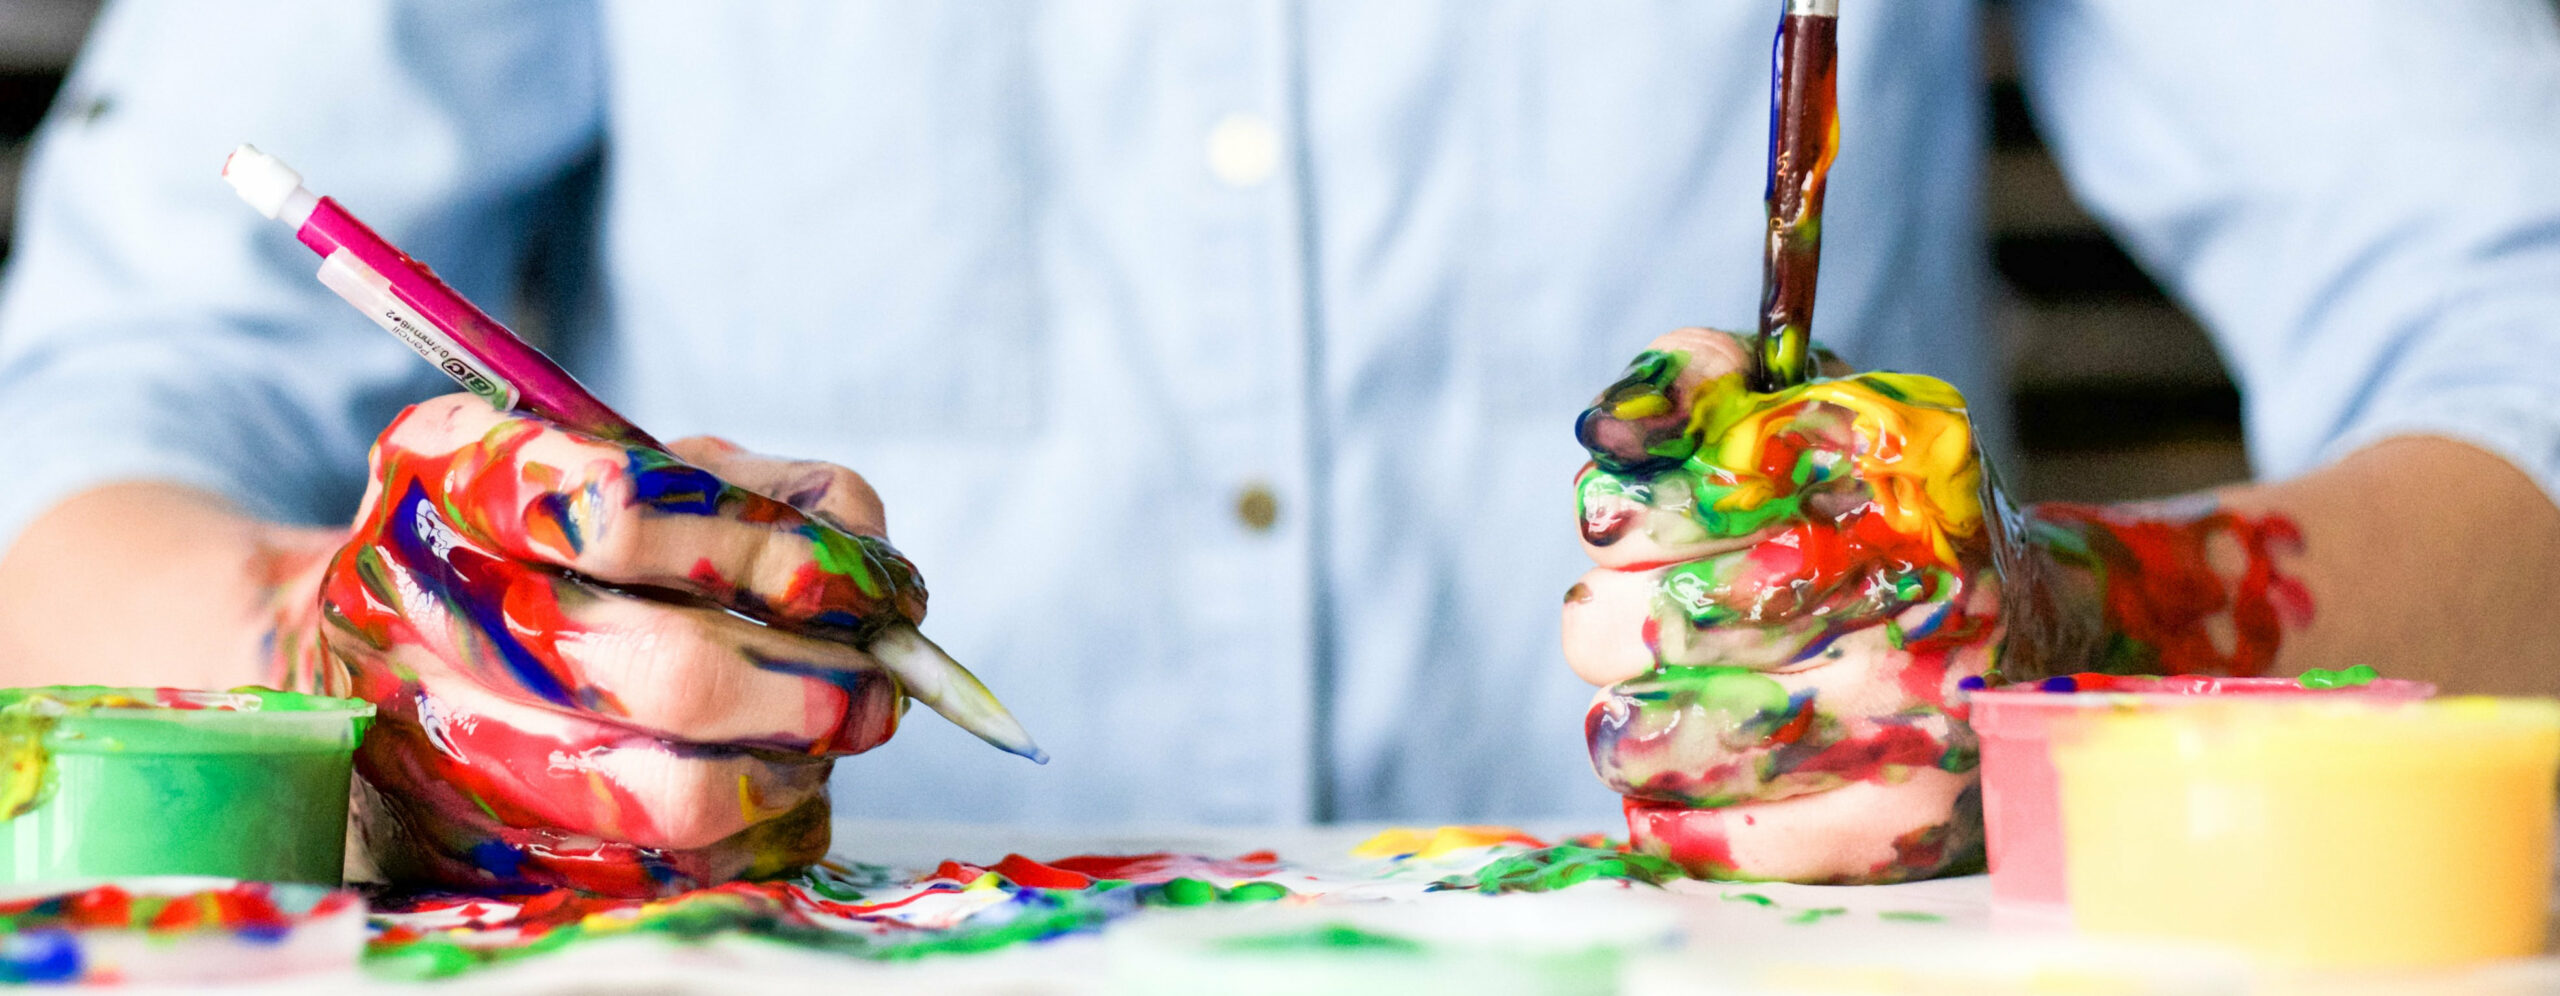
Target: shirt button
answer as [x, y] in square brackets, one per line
[1257, 507]
[1244, 150]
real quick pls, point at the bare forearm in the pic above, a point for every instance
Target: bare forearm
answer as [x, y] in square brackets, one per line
[155, 584]
[2422, 557]
[2427, 559]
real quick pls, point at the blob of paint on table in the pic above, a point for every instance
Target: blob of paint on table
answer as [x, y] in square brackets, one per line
[90, 935]
[2353, 677]
[1563, 866]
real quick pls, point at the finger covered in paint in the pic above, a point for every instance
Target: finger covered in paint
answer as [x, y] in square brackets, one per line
[527, 767]
[636, 517]
[831, 493]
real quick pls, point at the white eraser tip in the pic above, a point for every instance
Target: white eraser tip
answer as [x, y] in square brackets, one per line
[261, 179]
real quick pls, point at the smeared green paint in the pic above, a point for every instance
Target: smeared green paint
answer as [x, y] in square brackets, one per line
[843, 554]
[2354, 677]
[1329, 938]
[1256, 892]
[1186, 892]
[1910, 916]
[1737, 693]
[1817, 915]
[1961, 757]
[1560, 867]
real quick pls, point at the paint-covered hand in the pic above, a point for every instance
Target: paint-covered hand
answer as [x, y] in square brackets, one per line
[1791, 587]
[555, 628]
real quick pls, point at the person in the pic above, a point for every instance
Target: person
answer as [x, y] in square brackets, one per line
[1215, 363]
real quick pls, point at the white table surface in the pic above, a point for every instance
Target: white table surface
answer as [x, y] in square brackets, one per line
[1724, 945]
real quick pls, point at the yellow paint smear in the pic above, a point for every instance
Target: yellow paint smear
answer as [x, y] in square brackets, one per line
[1437, 841]
[1920, 469]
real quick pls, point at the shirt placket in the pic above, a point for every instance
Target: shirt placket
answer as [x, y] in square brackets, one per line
[1246, 578]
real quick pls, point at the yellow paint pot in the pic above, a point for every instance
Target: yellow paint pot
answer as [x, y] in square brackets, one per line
[2316, 833]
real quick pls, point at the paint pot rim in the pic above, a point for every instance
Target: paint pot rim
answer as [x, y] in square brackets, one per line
[1993, 709]
[2429, 733]
[246, 720]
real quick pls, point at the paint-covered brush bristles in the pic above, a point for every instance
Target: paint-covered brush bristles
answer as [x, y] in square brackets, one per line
[933, 678]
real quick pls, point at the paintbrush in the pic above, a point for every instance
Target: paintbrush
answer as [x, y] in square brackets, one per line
[1804, 135]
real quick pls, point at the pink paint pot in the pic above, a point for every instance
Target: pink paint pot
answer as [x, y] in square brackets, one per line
[2021, 809]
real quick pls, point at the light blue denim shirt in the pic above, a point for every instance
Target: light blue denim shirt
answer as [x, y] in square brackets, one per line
[1066, 279]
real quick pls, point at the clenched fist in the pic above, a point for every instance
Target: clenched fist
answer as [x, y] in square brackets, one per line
[1791, 587]
[555, 628]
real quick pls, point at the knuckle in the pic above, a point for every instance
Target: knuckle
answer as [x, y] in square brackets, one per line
[1712, 352]
[674, 685]
[705, 450]
[613, 547]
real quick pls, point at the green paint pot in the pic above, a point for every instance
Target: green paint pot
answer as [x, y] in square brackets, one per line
[104, 782]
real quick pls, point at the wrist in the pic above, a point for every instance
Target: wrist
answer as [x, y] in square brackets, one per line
[2182, 586]
[2051, 595]
[286, 567]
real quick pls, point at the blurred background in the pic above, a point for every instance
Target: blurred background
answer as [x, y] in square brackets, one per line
[2119, 393]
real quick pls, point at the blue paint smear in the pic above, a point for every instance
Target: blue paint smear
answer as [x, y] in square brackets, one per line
[674, 487]
[41, 956]
[1929, 625]
[502, 861]
[1829, 636]
[556, 505]
[452, 578]
[839, 618]
[851, 681]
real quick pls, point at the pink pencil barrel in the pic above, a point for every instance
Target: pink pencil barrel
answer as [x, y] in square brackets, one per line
[542, 387]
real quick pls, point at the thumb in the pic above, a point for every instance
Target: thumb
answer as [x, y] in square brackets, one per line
[1640, 423]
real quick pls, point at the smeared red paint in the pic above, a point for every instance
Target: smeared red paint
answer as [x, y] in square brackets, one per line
[1874, 758]
[1025, 872]
[178, 916]
[1925, 678]
[2159, 587]
[845, 908]
[1794, 728]
[1925, 847]
[1158, 867]
[104, 906]
[1691, 838]
[957, 871]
